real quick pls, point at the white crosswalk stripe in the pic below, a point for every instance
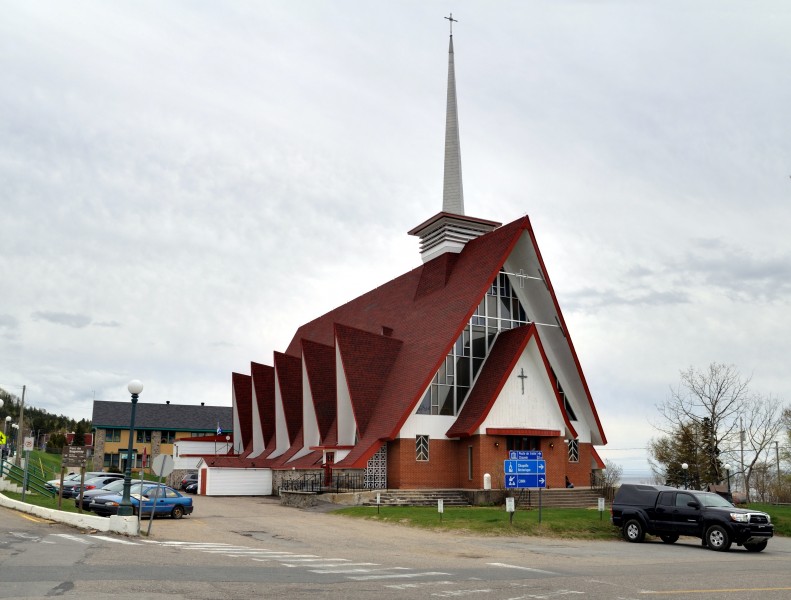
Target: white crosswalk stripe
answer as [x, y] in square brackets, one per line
[396, 576]
[360, 571]
[114, 540]
[73, 538]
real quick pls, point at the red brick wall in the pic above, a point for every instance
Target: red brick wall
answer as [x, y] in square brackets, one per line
[440, 471]
[447, 466]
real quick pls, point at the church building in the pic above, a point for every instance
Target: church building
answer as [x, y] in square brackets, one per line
[428, 380]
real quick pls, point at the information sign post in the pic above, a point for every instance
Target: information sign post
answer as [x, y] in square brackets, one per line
[526, 469]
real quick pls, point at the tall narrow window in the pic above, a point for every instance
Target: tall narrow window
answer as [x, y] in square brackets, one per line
[421, 448]
[469, 463]
[574, 451]
[498, 311]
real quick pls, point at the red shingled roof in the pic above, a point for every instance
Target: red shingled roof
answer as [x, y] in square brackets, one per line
[320, 367]
[367, 361]
[289, 377]
[264, 385]
[243, 391]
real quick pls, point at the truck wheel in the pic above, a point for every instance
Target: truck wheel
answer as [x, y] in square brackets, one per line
[717, 538]
[755, 547]
[669, 538]
[633, 531]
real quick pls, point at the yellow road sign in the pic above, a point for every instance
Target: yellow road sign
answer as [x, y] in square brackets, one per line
[2, 438]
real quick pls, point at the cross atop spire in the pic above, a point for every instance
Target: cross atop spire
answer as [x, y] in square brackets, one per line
[452, 21]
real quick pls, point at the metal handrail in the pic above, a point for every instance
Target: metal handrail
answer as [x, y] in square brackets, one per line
[34, 482]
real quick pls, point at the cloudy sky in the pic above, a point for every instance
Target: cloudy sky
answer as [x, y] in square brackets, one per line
[182, 184]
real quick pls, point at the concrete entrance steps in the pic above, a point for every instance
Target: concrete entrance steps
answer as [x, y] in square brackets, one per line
[559, 498]
[421, 498]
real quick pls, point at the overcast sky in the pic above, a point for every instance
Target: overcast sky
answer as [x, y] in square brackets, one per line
[183, 184]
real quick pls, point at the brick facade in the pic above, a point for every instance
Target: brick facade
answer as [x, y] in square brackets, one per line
[449, 463]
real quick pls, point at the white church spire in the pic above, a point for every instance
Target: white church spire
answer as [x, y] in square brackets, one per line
[452, 191]
[450, 230]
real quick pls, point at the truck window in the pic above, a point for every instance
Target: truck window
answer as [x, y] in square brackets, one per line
[666, 499]
[682, 499]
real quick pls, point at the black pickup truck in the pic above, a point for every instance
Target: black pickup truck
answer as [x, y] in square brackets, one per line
[668, 513]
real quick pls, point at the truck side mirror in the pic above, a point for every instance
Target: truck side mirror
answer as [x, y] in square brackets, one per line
[693, 504]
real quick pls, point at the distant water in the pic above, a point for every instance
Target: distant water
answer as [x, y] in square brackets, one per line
[645, 478]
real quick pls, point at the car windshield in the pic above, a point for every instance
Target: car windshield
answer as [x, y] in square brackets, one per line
[714, 500]
[117, 485]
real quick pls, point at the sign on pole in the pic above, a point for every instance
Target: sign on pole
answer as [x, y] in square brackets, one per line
[2, 438]
[74, 456]
[28, 444]
[525, 473]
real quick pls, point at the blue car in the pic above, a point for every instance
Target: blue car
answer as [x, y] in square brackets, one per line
[163, 500]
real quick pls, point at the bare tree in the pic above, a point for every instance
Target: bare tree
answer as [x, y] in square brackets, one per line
[762, 425]
[711, 400]
[611, 477]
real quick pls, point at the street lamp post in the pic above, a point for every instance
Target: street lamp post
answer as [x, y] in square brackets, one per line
[125, 508]
[15, 432]
[685, 466]
[728, 473]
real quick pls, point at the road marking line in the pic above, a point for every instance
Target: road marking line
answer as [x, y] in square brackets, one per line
[114, 540]
[718, 591]
[507, 566]
[218, 550]
[395, 576]
[72, 538]
[188, 544]
[314, 559]
[336, 566]
[34, 519]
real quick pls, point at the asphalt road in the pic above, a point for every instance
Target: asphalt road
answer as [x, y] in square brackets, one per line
[238, 548]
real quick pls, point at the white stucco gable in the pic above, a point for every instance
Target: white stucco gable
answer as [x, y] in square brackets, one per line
[527, 399]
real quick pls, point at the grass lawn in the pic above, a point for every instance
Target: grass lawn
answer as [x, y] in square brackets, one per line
[67, 504]
[781, 516]
[578, 523]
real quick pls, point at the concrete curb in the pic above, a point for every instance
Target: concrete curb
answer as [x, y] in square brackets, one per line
[123, 525]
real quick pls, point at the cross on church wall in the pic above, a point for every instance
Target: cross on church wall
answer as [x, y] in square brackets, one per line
[523, 377]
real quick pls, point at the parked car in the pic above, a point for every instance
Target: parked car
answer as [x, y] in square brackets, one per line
[191, 477]
[668, 513]
[160, 499]
[192, 488]
[55, 483]
[114, 487]
[72, 488]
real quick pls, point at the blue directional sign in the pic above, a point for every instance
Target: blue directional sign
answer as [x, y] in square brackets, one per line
[525, 454]
[525, 481]
[525, 473]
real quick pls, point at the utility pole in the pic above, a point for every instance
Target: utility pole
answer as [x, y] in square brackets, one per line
[741, 445]
[777, 460]
[21, 430]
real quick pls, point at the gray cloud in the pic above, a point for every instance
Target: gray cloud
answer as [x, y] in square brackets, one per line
[59, 318]
[8, 322]
[211, 198]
